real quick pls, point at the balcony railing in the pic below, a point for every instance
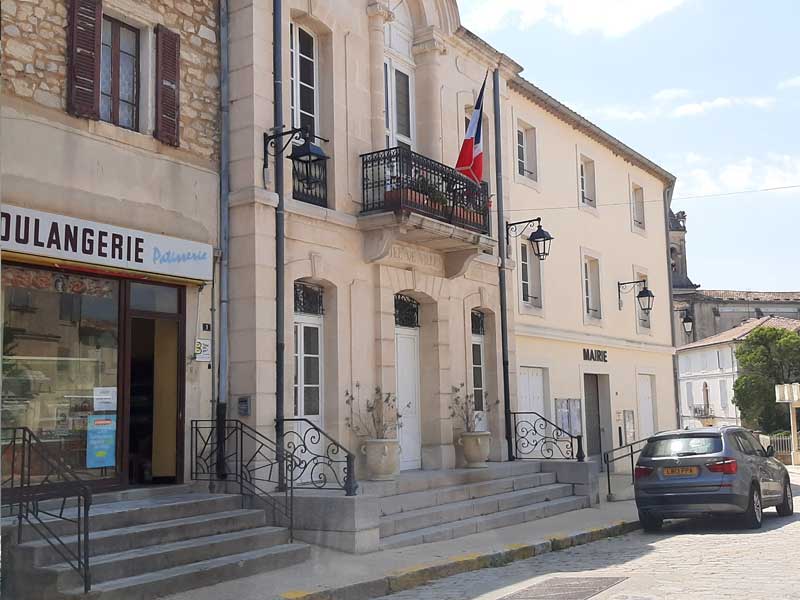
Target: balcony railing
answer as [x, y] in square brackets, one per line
[702, 412]
[400, 180]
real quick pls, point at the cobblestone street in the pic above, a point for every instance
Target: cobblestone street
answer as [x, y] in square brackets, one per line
[697, 560]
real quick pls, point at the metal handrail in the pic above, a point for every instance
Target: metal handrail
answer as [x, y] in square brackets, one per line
[631, 451]
[24, 491]
[315, 469]
[248, 458]
[540, 433]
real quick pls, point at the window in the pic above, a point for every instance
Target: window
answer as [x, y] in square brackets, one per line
[689, 396]
[705, 409]
[568, 415]
[637, 198]
[304, 77]
[406, 311]
[526, 153]
[119, 74]
[307, 365]
[591, 287]
[642, 316]
[723, 395]
[686, 445]
[399, 106]
[530, 276]
[587, 181]
[478, 368]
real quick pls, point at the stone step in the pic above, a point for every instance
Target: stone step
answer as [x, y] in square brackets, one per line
[39, 552]
[482, 523]
[415, 500]
[186, 577]
[132, 494]
[419, 481]
[153, 558]
[137, 512]
[474, 507]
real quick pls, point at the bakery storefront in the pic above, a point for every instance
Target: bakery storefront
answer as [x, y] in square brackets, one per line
[94, 330]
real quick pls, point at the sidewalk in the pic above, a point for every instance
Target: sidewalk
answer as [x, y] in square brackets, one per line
[331, 575]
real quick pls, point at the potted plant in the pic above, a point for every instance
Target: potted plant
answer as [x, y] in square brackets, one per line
[476, 444]
[403, 193]
[376, 421]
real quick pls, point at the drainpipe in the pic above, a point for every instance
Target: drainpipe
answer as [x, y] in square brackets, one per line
[280, 231]
[501, 245]
[224, 236]
[668, 190]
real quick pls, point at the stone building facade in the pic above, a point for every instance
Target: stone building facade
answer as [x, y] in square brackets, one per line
[110, 144]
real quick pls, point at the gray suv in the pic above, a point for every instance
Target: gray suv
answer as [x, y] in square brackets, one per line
[709, 471]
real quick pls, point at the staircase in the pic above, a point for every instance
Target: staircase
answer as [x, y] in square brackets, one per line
[152, 542]
[430, 506]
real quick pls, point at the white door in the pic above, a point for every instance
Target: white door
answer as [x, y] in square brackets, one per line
[479, 383]
[407, 367]
[308, 389]
[531, 390]
[647, 423]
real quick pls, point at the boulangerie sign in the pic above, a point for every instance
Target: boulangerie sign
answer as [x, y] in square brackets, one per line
[56, 236]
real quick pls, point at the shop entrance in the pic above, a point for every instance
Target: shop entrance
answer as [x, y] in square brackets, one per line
[154, 406]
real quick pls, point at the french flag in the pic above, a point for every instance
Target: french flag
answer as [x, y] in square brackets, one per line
[470, 160]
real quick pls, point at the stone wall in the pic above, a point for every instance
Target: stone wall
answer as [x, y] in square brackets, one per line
[34, 65]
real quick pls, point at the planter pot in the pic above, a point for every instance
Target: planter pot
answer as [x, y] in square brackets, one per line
[476, 446]
[383, 459]
[399, 198]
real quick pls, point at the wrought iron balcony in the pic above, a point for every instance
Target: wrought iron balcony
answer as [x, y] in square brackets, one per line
[401, 181]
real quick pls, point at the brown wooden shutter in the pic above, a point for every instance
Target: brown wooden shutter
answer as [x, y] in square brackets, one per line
[168, 89]
[83, 47]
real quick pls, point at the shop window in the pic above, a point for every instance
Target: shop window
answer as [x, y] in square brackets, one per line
[60, 375]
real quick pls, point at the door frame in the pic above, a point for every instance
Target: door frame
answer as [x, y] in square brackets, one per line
[409, 332]
[123, 414]
[319, 322]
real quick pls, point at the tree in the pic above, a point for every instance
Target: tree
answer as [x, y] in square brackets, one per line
[768, 356]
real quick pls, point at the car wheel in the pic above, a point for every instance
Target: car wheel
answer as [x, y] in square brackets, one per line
[649, 522]
[786, 507]
[754, 515]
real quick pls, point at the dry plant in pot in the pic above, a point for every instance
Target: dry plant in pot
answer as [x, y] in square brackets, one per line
[377, 421]
[476, 444]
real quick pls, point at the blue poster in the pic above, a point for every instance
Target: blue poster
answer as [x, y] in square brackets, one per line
[101, 441]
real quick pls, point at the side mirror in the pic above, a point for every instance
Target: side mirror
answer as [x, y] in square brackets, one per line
[770, 451]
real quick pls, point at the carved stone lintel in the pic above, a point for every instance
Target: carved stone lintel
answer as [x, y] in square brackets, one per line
[317, 265]
[380, 10]
[378, 243]
[457, 263]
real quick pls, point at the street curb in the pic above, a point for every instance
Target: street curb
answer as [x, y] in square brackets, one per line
[421, 574]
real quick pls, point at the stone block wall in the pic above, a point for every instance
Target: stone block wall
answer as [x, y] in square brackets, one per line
[34, 63]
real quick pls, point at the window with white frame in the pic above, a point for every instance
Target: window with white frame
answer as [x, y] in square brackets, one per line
[569, 415]
[642, 317]
[304, 78]
[530, 271]
[587, 181]
[527, 165]
[308, 351]
[637, 199]
[591, 287]
[479, 368]
[398, 89]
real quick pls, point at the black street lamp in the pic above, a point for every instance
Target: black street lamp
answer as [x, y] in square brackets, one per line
[645, 297]
[540, 239]
[688, 324]
[306, 157]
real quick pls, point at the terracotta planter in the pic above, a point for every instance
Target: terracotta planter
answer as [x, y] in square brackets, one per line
[476, 446]
[383, 459]
[396, 199]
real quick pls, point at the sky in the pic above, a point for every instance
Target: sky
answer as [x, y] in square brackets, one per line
[708, 89]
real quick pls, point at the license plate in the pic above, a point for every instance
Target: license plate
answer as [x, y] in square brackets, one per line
[681, 471]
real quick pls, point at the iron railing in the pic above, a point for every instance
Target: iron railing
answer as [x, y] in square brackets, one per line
[781, 443]
[400, 180]
[238, 454]
[310, 182]
[628, 451]
[318, 461]
[536, 437]
[32, 477]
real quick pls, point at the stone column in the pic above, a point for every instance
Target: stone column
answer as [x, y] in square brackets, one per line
[429, 50]
[379, 14]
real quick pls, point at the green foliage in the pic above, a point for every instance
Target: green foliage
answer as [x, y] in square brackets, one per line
[768, 356]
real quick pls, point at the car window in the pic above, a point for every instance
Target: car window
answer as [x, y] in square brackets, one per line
[682, 446]
[746, 443]
[757, 447]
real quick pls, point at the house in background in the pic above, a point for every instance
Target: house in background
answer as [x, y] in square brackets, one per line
[708, 369]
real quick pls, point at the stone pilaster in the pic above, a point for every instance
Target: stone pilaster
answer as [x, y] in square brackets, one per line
[429, 51]
[379, 14]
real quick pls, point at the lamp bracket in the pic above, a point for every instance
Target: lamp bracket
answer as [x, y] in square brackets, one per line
[273, 135]
[627, 286]
[517, 228]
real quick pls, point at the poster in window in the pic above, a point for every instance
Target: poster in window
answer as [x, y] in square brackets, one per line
[101, 441]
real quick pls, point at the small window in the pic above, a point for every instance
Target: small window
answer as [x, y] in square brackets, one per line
[637, 197]
[530, 276]
[478, 323]
[526, 153]
[587, 181]
[591, 287]
[406, 311]
[308, 299]
[642, 316]
[119, 74]
[304, 78]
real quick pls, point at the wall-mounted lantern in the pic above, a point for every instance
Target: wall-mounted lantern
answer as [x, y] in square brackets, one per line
[540, 239]
[645, 297]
